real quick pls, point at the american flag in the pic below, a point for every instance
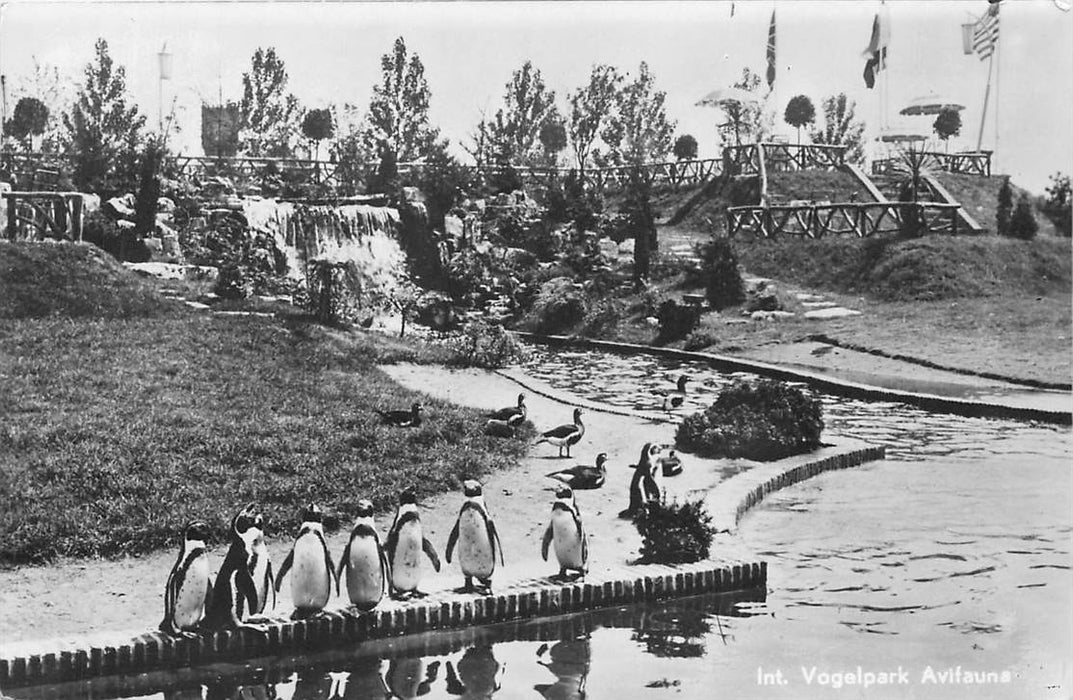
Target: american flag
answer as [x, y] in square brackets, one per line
[985, 33]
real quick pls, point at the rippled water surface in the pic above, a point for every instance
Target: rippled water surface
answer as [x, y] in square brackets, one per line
[949, 558]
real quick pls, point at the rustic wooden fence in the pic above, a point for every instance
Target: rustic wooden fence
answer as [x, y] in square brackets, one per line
[34, 216]
[780, 157]
[968, 163]
[846, 219]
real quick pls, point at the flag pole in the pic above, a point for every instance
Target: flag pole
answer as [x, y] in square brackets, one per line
[987, 95]
[998, 85]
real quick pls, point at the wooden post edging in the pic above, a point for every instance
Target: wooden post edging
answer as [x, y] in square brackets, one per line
[80, 660]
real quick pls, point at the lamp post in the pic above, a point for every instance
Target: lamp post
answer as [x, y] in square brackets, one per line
[165, 74]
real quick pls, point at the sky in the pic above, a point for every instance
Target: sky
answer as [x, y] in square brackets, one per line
[469, 50]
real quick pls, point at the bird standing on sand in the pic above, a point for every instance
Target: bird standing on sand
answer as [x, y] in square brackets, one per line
[644, 487]
[564, 436]
[403, 419]
[584, 476]
[512, 415]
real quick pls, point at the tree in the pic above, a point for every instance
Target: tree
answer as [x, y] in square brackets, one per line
[219, 129]
[56, 92]
[398, 110]
[749, 118]
[528, 105]
[30, 119]
[638, 131]
[103, 131]
[1057, 205]
[685, 147]
[841, 128]
[349, 149]
[317, 126]
[1023, 222]
[590, 106]
[269, 114]
[1004, 210]
[799, 112]
[145, 203]
[947, 124]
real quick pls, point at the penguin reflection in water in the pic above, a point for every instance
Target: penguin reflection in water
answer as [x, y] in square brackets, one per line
[644, 486]
[406, 543]
[568, 534]
[479, 674]
[311, 582]
[364, 563]
[188, 592]
[235, 594]
[477, 540]
[409, 677]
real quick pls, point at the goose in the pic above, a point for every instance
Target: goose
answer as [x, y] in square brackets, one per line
[584, 476]
[499, 428]
[564, 436]
[512, 415]
[403, 419]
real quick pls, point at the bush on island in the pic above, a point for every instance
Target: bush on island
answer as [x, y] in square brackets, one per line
[765, 420]
[559, 305]
[674, 533]
[484, 344]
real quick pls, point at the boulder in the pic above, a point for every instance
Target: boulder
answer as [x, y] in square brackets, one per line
[767, 296]
[165, 205]
[120, 207]
[411, 194]
[454, 226]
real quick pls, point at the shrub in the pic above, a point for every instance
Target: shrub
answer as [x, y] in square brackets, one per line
[763, 421]
[674, 533]
[676, 321]
[725, 286]
[698, 340]
[255, 266]
[559, 304]
[120, 243]
[484, 344]
[1023, 223]
[603, 317]
[1004, 209]
[332, 290]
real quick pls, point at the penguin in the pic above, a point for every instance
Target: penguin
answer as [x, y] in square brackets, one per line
[568, 534]
[311, 582]
[403, 419]
[364, 562]
[583, 476]
[260, 566]
[477, 539]
[565, 435]
[479, 674]
[644, 486]
[406, 543]
[410, 677]
[512, 415]
[234, 594]
[188, 593]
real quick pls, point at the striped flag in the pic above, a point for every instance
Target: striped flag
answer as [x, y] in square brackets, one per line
[985, 33]
[876, 53]
[771, 51]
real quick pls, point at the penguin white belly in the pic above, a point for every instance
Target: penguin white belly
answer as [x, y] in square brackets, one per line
[310, 580]
[567, 542]
[364, 579]
[475, 545]
[261, 580]
[190, 602]
[406, 566]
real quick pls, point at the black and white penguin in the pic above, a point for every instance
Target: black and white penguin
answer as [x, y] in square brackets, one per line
[567, 533]
[406, 545]
[479, 674]
[311, 582]
[189, 589]
[410, 677]
[234, 594]
[512, 415]
[477, 539]
[403, 419]
[584, 476]
[564, 436]
[364, 562]
[644, 486]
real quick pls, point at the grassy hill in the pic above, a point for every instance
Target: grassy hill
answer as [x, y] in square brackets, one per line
[815, 186]
[979, 196]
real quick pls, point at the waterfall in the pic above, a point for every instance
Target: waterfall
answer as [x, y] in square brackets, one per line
[358, 233]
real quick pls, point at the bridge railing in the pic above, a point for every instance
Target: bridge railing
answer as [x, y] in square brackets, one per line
[744, 159]
[34, 216]
[844, 219]
[968, 162]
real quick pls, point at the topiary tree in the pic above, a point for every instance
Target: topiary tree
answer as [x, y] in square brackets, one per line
[725, 286]
[1005, 208]
[553, 138]
[799, 112]
[29, 120]
[685, 147]
[1023, 223]
[1057, 205]
[947, 124]
[317, 126]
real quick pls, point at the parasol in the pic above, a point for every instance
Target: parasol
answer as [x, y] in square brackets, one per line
[716, 98]
[931, 104]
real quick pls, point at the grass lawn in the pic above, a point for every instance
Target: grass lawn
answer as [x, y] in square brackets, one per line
[115, 432]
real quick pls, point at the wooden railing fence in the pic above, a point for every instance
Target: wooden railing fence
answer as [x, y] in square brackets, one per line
[852, 219]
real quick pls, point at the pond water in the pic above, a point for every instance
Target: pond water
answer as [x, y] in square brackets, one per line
[950, 560]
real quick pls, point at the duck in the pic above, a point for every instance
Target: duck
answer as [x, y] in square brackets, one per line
[671, 464]
[584, 476]
[499, 428]
[564, 436]
[676, 397]
[512, 415]
[403, 419]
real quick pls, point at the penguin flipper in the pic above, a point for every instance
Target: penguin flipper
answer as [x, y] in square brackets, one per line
[392, 539]
[385, 571]
[284, 568]
[546, 542]
[451, 539]
[493, 538]
[430, 552]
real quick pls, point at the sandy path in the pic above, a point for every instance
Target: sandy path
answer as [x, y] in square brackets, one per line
[76, 598]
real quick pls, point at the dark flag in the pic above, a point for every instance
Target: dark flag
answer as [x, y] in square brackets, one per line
[771, 51]
[876, 52]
